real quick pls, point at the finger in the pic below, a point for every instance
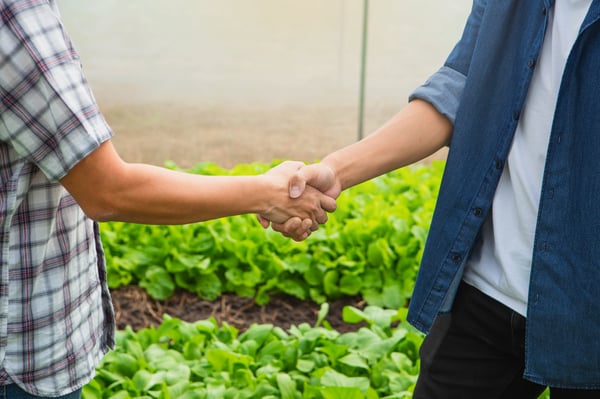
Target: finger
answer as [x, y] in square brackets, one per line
[306, 224]
[319, 216]
[289, 227]
[311, 175]
[263, 221]
[304, 236]
[322, 218]
[300, 236]
[294, 228]
[281, 229]
[303, 232]
[292, 225]
[328, 204]
[297, 185]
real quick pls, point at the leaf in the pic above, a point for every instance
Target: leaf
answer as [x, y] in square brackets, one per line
[305, 365]
[177, 374]
[314, 275]
[118, 395]
[342, 392]
[353, 315]
[286, 385]
[350, 284]
[144, 380]
[257, 333]
[294, 288]
[110, 378]
[208, 286]
[371, 314]
[322, 314]
[179, 262]
[355, 361]
[223, 360]
[124, 364]
[330, 283]
[93, 390]
[380, 254]
[332, 378]
[158, 282]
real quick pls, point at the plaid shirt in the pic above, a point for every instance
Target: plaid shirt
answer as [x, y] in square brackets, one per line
[56, 316]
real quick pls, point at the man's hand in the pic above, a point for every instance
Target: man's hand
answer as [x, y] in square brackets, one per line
[308, 201]
[319, 177]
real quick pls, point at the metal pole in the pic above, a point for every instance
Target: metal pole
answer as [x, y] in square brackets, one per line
[363, 67]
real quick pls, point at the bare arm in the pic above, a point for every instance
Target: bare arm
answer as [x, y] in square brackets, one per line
[414, 133]
[107, 188]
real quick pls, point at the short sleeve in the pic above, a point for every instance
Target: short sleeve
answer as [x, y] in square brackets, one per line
[48, 113]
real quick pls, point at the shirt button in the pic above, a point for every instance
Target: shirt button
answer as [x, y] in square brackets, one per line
[544, 11]
[498, 164]
[477, 211]
[531, 63]
[516, 115]
[456, 258]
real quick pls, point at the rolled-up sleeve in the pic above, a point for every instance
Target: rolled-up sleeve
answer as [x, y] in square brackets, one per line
[444, 88]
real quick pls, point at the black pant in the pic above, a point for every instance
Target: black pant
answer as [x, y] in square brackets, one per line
[477, 352]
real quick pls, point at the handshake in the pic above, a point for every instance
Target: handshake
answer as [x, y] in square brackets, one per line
[303, 196]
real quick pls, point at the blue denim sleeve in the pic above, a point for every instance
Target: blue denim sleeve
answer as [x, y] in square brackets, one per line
[443, 90]
[445, 87]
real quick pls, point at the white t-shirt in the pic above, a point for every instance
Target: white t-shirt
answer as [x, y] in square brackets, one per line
[500, 266]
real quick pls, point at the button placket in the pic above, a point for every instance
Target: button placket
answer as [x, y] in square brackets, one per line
[456, 258]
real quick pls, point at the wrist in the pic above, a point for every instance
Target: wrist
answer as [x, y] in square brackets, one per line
[335, 167]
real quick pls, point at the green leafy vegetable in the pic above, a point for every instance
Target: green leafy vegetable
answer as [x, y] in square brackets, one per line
[205, 360]
[371, 247]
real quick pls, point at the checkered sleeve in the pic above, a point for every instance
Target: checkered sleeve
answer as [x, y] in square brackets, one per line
[47, 111]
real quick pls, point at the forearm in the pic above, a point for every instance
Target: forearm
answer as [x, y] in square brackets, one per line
[149, 194]
[109, 189]
[414, 133]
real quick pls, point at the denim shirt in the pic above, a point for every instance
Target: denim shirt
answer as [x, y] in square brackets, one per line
[482, 88]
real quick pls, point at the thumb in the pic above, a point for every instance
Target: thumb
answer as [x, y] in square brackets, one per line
[318, 175]
[297, 184]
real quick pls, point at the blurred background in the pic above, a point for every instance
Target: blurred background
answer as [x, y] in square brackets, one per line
[237, 81]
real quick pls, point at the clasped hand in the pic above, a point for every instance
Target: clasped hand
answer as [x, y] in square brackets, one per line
[310, 192]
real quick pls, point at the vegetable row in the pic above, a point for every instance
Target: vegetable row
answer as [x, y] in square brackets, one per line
[371, 246]
[204, 361]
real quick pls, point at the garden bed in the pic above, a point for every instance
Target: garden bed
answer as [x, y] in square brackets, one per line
[134, 307]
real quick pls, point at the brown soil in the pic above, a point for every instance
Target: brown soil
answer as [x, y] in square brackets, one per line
[135, 308]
